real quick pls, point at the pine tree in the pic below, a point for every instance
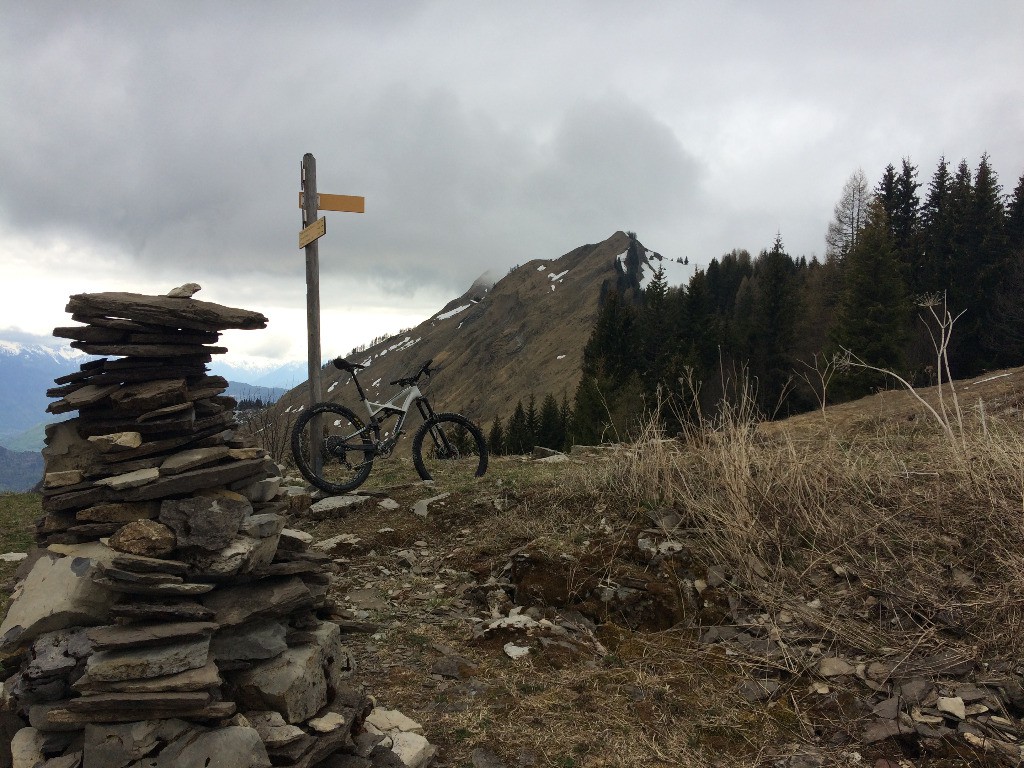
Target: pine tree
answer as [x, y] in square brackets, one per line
[775, 317]
[1015, 220]
[549, 430]
[496, 438]
[873, 308]
[518, 440]
[532, 423]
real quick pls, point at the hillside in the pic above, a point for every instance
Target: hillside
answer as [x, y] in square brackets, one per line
[19, 470]
[499, 343]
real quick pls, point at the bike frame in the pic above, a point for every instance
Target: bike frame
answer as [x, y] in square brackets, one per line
[408, 396]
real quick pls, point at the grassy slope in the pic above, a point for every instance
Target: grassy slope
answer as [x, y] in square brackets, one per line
[864, 534]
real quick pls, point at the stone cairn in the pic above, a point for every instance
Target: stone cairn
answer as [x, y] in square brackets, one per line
[168, 617]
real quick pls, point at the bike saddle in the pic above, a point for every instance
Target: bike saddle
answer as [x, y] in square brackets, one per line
[344, 365]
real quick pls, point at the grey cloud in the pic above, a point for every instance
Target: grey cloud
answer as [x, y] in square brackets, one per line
[481, 136]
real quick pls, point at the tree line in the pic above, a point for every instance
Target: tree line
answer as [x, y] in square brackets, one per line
[773, 321]
[550, 426]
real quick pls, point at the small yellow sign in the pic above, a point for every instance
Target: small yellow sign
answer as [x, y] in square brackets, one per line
[343, 203]
[313, 232]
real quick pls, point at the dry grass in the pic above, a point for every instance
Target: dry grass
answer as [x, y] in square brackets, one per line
[928, 520]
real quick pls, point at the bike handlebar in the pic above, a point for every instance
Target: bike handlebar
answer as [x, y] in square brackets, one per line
[410, 380]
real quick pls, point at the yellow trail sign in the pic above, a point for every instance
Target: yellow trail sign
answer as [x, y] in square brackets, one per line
[314, 231]
[343, 203]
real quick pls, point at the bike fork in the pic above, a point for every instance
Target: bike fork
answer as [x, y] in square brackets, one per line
[437, 434]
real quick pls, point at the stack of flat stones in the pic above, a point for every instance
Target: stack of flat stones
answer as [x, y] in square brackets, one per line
[168, 616]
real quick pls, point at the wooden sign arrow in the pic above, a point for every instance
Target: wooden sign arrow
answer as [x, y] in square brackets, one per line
[313, 232]
[343, 203]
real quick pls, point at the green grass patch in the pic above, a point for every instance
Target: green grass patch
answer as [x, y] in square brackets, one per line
[18, 513]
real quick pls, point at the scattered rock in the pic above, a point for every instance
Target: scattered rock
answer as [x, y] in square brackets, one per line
[952, 705]
[514, 651]
[829, 666]
[421, 506]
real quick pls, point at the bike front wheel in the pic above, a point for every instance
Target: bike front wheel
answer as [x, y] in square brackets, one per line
[449, 448]
[346, 448]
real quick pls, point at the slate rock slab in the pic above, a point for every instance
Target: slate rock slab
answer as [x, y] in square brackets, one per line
[140, 663]
[140, 564]
[200, 679]
[162, 589]
[129, 480]
[166, 311]
[174, 610]
[118, 512]
[58, 593]
[119, 745]
[293, 684]
[190, 459]
[215, 476]
[264, 599]
[142, 635]
[257, 640]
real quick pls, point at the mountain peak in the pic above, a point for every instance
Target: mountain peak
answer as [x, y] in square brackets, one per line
[503, 340]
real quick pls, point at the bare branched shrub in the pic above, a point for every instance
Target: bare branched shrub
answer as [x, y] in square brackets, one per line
[940, 327]
[271, 429]
[819, 376]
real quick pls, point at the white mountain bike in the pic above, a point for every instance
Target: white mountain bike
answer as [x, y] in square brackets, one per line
[447, 445]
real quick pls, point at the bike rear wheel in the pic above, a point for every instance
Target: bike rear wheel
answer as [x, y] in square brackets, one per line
[449, 448]
[346, 448]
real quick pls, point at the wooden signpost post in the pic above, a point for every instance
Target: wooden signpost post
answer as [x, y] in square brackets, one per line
[313, 229]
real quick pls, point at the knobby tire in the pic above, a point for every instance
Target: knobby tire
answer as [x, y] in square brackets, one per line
[448, 422]
[353, 465]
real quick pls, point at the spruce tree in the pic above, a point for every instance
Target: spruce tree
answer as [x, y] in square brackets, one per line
[496, 438]
[775, 318]
[517, 440]
[565, 422]
[873, 311]
[1015, 221]
[532, 423]
[937, 223]
[979, 263]
[897, 194]
[549, 431]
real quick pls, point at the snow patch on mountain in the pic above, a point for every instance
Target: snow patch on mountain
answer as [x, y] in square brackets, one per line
[676, 273]
[453, 312]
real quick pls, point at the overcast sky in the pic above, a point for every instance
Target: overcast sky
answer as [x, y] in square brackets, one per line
[148, 144]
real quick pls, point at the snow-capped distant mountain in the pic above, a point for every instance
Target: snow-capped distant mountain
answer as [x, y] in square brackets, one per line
[262, 374]
[26, 372]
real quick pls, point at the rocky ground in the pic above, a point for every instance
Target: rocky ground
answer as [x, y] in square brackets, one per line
[528, 621]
